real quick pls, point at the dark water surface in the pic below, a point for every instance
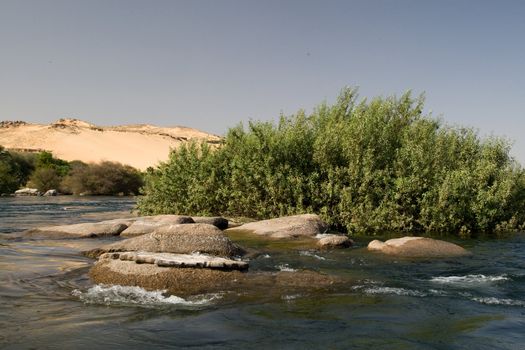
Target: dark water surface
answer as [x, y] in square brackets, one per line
[48, 302]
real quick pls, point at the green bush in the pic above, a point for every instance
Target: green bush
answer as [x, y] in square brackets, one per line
[45, 179]
[365, 167]
[106, 178]
[9, 173]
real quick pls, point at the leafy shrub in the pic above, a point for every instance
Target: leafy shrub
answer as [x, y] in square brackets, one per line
[9, 172]
[45, 179]
[106, 178]
[365, 167]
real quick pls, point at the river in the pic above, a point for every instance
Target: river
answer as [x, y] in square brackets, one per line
[48, 302]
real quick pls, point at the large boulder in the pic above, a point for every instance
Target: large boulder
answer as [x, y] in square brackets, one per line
[198, 280]
[180, 239]
[417, 247]
[217, 221]
[148, 224]
[306, 225]
[85, 230]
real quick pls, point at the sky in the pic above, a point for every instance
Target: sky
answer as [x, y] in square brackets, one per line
[212, 64]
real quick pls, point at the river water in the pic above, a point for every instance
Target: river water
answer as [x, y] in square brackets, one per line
[48, 302]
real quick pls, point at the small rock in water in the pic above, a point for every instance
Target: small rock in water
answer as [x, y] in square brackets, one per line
[417, 247]
[51, 193]
[327, 241]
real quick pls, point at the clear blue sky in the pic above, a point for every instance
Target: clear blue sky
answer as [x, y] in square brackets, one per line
[211, 64]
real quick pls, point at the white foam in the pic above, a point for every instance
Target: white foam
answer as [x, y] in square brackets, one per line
[497, 301]
[128, 295]
[285, 268]
[469, 279]
[393, 290]
[307, 253]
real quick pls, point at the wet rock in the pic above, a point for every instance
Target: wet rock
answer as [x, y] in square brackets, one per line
[329, 241]
[417, 247]
[28, 192]
[178, 260]
[148, 224]
[85, 230]
[51, 193]
[181, 239]
[217, 221]
[306, 225]
[192, 281]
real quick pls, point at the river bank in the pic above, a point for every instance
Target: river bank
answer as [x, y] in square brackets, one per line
[48, 301]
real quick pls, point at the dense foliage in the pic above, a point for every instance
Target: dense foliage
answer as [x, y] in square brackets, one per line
[366, 167]
[44, 172]
[107, 178]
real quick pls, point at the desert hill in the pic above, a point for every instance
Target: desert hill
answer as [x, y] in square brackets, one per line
[140, 145]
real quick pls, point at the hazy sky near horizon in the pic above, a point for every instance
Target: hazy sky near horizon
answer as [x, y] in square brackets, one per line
[211, 64]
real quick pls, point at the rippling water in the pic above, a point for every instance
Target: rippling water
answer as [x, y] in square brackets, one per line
[47, 300]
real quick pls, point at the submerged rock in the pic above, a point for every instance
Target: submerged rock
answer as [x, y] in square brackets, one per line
[148, 224]
[417, 247]
[328, 241]
[181, 239]
[306, 225]
[217, 221]
[85, 230]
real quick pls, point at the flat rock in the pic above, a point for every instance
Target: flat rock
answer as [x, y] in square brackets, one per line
[417, 247]
[28, 192]
[180, 239]
[328, 241]
[192, 281]
[178, 260]
[217, 221]
[306, 225]
[85, 230]
[148, 224]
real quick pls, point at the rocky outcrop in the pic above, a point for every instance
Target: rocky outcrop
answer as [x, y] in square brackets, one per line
[329, 241]
[148, 224]
[217, 221]
[417, 247]
[306, 225]
[28, 192]
[191, 281]
[180, 239]
[86, 230]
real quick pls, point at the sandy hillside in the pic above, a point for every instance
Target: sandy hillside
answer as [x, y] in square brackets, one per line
[140, 146]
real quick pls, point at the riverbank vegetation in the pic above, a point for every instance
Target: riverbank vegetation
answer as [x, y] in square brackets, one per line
[366, 167]
[44, 172]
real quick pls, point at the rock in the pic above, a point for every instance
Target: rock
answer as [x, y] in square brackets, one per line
[328, 241]
[50, 193]
[27, 192]
[85, 230]
[179, 260]
[192, 281]
[308, 225]
[417, 247]
[180, 239]
[217, 221]
[148, 224]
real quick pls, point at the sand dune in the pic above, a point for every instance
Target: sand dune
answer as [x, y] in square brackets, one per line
[140, 145]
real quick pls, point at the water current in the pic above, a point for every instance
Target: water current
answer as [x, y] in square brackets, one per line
[48, 302]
